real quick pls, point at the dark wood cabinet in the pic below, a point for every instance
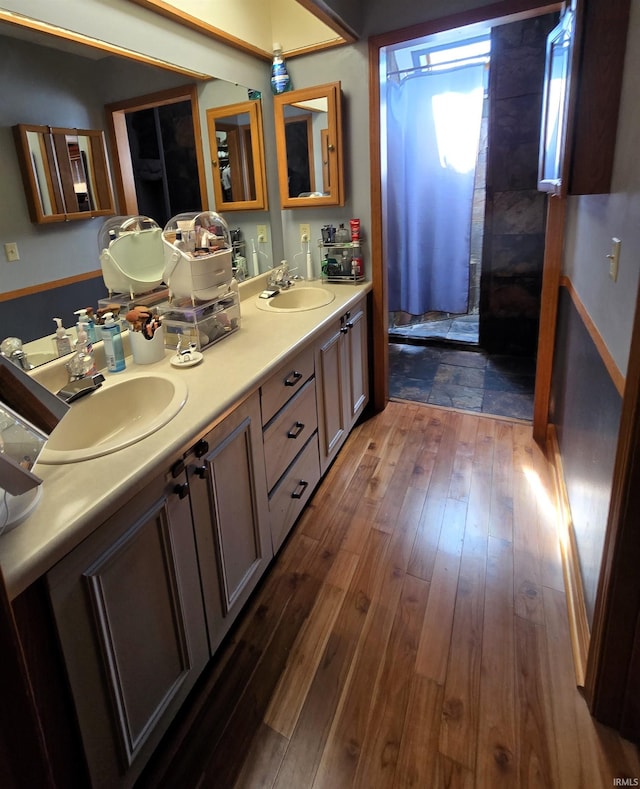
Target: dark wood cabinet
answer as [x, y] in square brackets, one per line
[598, 65]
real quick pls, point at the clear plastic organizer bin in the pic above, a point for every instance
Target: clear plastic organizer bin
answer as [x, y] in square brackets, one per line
[204, 324]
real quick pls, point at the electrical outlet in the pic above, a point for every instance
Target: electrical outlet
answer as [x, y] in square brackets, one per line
[11, 252]
[305, 233]
[262, 234]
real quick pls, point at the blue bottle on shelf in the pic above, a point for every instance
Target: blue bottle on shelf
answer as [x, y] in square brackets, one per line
[280, 80]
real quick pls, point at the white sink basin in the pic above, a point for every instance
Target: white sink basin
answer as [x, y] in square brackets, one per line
[297, 299]
[117, 415]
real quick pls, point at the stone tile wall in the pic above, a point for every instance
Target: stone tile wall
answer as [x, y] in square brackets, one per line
[513, 245]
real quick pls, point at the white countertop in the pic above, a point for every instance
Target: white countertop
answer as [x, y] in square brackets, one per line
[77, 497]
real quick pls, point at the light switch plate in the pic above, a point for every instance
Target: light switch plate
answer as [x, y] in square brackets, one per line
[614, 258]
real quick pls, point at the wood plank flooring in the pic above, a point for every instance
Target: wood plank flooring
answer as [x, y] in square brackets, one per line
[411, 633]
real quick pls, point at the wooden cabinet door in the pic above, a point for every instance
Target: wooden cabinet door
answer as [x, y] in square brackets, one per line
[231, 514]
[332, 391]
[357, 363]
[128, 609]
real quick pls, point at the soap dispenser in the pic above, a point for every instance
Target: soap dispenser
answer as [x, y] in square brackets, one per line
[62, 341]
[82, 363]
[113, 349]
[90, 327]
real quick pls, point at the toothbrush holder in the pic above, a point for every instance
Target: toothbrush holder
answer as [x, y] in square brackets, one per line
[146, 351]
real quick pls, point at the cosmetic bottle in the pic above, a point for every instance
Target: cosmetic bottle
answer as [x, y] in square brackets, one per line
[280, 80]
[343, 236]
[62, 341]
[87, 320]
[112, 338]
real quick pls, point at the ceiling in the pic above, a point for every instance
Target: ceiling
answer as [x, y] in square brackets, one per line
[254, 25]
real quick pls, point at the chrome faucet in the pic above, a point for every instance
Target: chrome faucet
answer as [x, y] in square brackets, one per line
[11, 348]
[280, 278]
[81, 381]
[76, 388]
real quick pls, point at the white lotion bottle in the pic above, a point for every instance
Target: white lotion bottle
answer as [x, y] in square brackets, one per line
[62, 341]
[113, 348]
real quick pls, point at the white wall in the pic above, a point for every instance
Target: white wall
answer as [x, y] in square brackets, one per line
[595, 219]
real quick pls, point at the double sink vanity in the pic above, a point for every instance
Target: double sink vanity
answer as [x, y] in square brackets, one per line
[189, 482]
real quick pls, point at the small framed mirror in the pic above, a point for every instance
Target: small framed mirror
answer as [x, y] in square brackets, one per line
[65, 173]
[237, 156]
[309, 146]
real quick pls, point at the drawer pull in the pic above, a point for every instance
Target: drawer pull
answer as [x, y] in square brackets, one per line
[344, 330]
[293, 378]
[303, 485]
[296, 430]
[200, 471]
[182, 491]
[201, 448]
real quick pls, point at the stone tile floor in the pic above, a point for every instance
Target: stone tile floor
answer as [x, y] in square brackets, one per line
[467, 379]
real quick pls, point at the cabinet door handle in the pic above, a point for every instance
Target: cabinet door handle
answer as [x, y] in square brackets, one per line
[182, 490]
[293, 378]
[303, 485]
[200, 471]
[177, 468]
[201, 448]
[296, 430]
[349, 325]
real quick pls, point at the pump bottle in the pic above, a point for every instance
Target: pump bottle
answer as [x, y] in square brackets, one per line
[61, 340]
[87, 320]
[113, 349]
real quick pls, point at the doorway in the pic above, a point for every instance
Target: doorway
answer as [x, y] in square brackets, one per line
[508, 237]
[156, 141]
[434, 117]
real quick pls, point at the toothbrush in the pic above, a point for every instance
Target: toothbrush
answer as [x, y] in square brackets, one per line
[254, 260]
[310, 274]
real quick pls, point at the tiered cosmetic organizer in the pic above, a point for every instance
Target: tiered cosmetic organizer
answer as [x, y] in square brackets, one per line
[184, 272]
[202, 307]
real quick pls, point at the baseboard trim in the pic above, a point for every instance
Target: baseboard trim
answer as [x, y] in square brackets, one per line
[574, 592]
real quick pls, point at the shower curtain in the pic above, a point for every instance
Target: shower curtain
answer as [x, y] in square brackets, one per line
[432, 132]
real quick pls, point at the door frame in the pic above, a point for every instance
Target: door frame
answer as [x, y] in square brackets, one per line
[496, 13]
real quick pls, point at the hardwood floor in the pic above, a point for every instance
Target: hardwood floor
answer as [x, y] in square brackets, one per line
[411, 633]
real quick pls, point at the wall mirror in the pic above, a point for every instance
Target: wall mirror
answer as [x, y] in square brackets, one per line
[65, 173]
[237, 156]
[309, 146]
[39, 84]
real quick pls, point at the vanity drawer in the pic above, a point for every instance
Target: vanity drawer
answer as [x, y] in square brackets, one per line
[290, 495]
[284, 383]
[289, 432]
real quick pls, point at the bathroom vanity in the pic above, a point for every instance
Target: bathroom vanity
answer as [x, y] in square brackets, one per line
[147, 555]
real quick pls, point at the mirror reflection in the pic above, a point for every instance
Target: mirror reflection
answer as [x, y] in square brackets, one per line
[59, 268]
[65, 172]
[309, 146]
[237, 156]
